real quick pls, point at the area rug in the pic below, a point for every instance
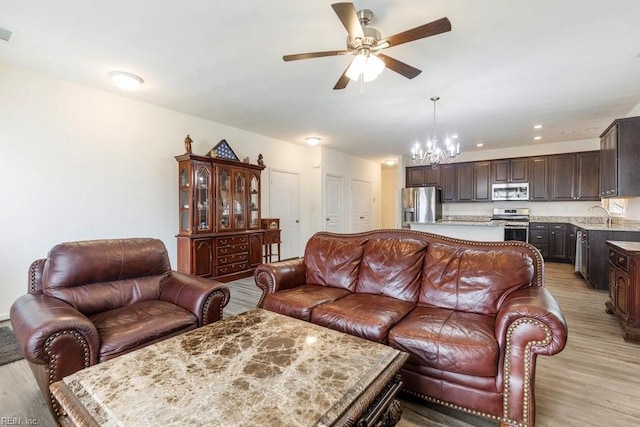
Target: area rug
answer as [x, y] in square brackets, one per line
[9, 350]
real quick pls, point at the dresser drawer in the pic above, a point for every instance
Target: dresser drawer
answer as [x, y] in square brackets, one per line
[231, 268]
[618, 259]
[232, 259]
[231, 240]
[232, 249]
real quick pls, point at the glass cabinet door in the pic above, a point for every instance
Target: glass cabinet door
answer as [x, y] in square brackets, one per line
[224, 199]
[239, 200]
[202, 199]
[254, 201]
[184, 202]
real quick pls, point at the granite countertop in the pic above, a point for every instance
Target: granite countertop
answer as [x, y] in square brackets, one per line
[586, 223]
[629, 247]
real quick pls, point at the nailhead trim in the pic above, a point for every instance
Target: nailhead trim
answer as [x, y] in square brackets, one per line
[207, 303]
[53, 357]
[268, 288]
[527, 370]
[452, 406]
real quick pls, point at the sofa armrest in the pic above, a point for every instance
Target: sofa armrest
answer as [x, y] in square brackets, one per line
[46, 326]
[274, 277]
[529, 323]
[205, 298]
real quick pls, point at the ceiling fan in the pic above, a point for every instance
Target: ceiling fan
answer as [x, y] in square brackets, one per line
[366, 44]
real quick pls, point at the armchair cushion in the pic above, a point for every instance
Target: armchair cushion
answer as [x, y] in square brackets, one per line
[134, 326]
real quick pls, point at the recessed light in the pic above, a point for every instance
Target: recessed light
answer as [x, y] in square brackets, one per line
[480, 145]
[537, 126]
[592, 129]
[537, 138]
[312, 140]
[125, 81]
[454, 136]
[567, 132]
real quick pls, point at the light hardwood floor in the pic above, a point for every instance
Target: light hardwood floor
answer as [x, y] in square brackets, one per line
[595, 381]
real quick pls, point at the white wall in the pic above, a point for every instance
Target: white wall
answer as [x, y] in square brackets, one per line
[78, 163]
[390, 198]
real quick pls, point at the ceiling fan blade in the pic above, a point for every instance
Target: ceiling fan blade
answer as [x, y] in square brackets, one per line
[314, 55]
[399, 67]
[431, 29]
[347, 14]
[343, 81]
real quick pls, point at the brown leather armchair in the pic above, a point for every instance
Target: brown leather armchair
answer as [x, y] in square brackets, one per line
[91, 301]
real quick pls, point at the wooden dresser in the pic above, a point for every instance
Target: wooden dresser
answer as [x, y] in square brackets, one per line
[624, 286]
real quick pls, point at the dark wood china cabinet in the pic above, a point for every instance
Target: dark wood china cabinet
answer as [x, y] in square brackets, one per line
[219, 217]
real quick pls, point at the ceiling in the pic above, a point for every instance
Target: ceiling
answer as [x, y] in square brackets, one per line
[571, 65]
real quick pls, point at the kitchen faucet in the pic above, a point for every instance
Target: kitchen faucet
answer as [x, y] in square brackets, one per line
[606, 211]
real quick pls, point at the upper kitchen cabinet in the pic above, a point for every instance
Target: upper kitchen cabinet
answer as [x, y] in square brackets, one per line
[422, 176]
[539, 178]
[474, 183]
[574, 176]
[510, 170]
[620, 154]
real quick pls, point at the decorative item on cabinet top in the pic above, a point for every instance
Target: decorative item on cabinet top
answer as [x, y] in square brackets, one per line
[223, 151]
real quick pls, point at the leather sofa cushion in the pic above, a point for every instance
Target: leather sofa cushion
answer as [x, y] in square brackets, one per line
[128, 328]
[363, 315]
[299, 301]
[331, 261]
[449, 340]
[125, 270]
[475, 281]
[392, 267]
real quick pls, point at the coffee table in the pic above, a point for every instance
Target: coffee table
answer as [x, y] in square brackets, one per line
[258, 368]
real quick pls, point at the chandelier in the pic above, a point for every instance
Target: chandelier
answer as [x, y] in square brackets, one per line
[432, 154]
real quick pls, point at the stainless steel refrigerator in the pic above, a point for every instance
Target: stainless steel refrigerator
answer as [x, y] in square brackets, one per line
[421, 205]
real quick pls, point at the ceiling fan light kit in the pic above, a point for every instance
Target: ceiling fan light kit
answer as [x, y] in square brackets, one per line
[432, 154]
[366, 43]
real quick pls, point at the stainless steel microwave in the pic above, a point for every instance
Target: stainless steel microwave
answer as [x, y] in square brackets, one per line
[510, 191]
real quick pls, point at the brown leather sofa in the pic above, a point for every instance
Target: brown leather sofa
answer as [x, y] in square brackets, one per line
[473, 316]
[91, 301]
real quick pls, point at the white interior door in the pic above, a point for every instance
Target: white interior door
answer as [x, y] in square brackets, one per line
[333, 203]
[284, 205]
[360, 206]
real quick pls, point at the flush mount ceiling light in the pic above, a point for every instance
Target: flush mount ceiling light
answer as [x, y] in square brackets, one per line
[125, 81]
[312, 140]
[390, 162]
[537, 126]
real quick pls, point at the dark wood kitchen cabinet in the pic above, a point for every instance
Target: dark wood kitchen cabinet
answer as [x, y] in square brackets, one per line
[550, 239]
[575, 176]
[624, 287]
[422, 176]
[620, 157]
[510, 170]
[539, 179]
[571, 242]
[474, 182]
[448, 182]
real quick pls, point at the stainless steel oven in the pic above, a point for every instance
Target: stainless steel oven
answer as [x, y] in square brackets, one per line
[516, 222]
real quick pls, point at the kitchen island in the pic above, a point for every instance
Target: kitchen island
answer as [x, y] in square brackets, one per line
[484, 230]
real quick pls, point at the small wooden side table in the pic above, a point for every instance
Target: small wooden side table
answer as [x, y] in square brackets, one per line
[271, 237]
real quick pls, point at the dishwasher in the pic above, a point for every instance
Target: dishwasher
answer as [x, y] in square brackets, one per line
[582, 254]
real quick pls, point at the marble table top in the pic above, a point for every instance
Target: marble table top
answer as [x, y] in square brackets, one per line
[254, 369]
